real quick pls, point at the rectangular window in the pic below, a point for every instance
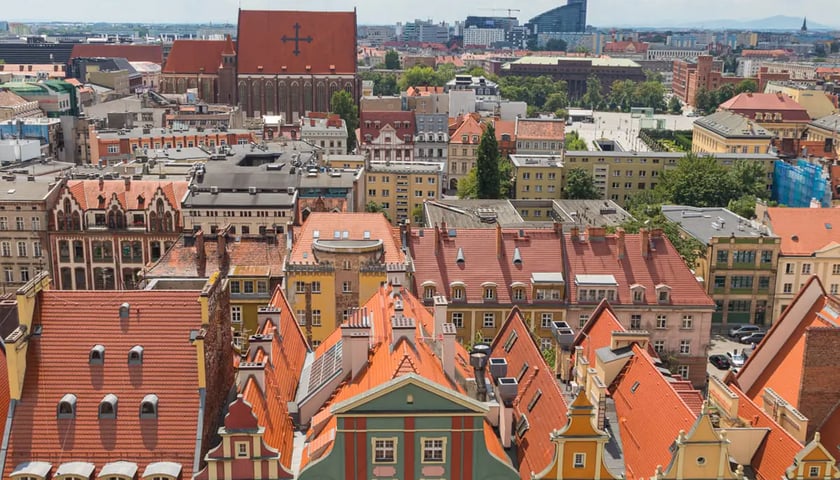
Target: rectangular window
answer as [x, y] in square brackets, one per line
[316, 287]
[546, 319]
[4, 223]
[635, 322]
[489, 293]
[720, 281]
[580, 460]
[384, 450]
[788, 268]
[6, 248]
[741, 281]
[661, 321]
[301, 316]
[21, 249]
[489, 320]
[582, 319]
[457, 293]
[835, 269]
[235, 286]
[534, 400]
[659, 346]
[9, 274]
[242, 450]
[236, 314]
[722, 256]
[262, 287]
[787, 288]
[458, 319]
[806, 269]
[248, 286]
[834, 288]
[766, 256]
[682, 370]
[763, 283]
[36, 249]
[19, 223]
[300, 287]
[519, 294]
[316, 318]
[433, 450]
[24, 274]
[685, 347]
[743, 256]
[36, 224]
[813, 471]
[346, 287]
[688, 321]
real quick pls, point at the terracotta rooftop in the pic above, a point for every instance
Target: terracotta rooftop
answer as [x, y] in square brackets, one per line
[10, 99]
[627, 46]
[467, 125]
[436, 255]
[4, 386]
[535, 449]
[549, 130]
[505, 127]
[423, 91]
[87, 192]
[181, 261]
[259, 252]
[663, 266]
[355, 224]
[805, 230]
[401, 122]
[651, 414]
[307, 205]
[57, 364]
[597, 332]
[749, 104]
[326, 45]
[132, 53]
[282, 374]
[195, 56]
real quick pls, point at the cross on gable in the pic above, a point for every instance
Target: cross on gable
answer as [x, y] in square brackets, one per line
[297, 39]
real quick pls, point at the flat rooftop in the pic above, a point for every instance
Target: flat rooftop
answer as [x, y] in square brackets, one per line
[537, 160]
[707, 223]
[595, 61]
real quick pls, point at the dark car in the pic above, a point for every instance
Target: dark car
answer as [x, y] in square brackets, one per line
[753, 338]
[720, 361]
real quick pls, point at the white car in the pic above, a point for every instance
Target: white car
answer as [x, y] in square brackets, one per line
[737, 359]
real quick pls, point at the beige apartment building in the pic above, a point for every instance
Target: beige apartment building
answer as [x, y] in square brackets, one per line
[827, 130]
[463, 149]
[727, 132]
[401, 188]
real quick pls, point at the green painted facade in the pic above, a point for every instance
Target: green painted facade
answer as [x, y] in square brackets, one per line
[389, 416]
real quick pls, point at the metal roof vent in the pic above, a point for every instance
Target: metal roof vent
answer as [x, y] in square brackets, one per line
[125, 310]
[459, 259]
[97, 355]
[517, 256]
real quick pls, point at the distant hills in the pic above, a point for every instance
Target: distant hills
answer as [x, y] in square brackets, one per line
[778, 22]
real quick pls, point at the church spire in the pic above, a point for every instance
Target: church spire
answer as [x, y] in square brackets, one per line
[804, 24]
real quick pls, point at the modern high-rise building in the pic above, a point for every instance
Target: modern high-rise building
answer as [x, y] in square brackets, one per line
[568, 18]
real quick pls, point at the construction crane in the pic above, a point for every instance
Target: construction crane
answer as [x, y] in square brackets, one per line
[509, 10]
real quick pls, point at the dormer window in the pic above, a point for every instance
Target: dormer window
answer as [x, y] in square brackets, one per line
[108, 406]
[97, 355]
[638, 292]
[489, 290]
[663, 293]
[458, 290]
[67, 406]
[149, 406]
[135, 355]
[429, 290]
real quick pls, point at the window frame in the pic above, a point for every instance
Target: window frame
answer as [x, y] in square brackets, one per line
[374, 450]
[433, 448]
[581, 463]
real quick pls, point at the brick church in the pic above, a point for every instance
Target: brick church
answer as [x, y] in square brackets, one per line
[282, 63]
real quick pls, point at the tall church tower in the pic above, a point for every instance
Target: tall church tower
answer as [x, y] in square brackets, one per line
[227, 74]
[804, 24]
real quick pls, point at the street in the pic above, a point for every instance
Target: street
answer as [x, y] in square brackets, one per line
[720, 345]
[624, 129]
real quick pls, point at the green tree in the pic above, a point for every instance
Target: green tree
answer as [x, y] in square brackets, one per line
[475, 72]
[373, 207]
[674, 105]
[419, 76]
[555, 45]
[581, 185]
[647, 213]
[652, 76]
[488, 173]
[384, 84]
[744, 206]
[392, 60]
[593, 98]
[468, 186]
[703, 101]
[556, 101]
[650, 94]
[574, 142]
[446, 72]
[417, 215]
[698, 182]
[581, 49]
[342, 104]
[747, 85]
[622, 95]
[723, 94]
[751, 177]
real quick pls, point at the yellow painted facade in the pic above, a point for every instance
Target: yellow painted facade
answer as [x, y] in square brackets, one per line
[707, 141]
[401, 188]
[250, 289]
[472, 321]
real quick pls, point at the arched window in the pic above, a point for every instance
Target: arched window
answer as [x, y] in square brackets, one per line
[67, 406]
[108, 406]
[322, 101]
[149, 406]
[116, 219]
[282, 97]
[243, 96]
[168, 222]
[256, 95]
[307, 97]
[270, 106]
[294, 98]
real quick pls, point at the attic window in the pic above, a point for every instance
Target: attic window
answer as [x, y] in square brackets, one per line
[135, 355]
[149, 406]
[522, 372]
[511, 340]
[522, 426]
[97, 355]
[663, 293]
[108, 406]
[634, 387]
[67, 406]
[533, 402]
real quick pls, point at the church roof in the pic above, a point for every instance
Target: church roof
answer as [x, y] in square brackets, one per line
[326, 42]
[195, 56]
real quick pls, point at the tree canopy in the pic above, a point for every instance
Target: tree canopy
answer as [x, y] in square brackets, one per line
[392, 60]
[468, 186]
[699, 182]
[581, 185]
[342, 104]
[574, 142]
[425, 76]
[593, 98]
[488, 174]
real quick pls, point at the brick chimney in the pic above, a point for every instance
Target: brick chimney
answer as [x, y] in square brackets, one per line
[437, 239]
[558, 227]
[574, 233]
[622, 247]
[448, 350]
[127, 182]
[506, 391]
[499, 243]
[355, 342]
[596, 234]
[200, 254]
[268, 314]
[644, 240]
[255, 370]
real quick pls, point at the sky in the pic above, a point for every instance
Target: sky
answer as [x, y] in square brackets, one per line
[600, 13]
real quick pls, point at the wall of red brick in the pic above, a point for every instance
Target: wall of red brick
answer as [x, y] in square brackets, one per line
[819, 393]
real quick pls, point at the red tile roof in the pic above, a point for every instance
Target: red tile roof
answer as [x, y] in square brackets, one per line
[402, 122]
[356, 224]
[195, 56]
[386, 362]
[651, 415]
[748, 104]
[57, 364]
[541, 129]
[259, 252]
[180, 261]
[4, 386]
[830, 432]
[320, 204]
[539, 249]
[805, 230]
[87, 192]
[535, 449]
[597, 332]
[282, 375]
[327, 42]
[467, 125]
[132, 53]
[663, 266]
[627, 46]
[777, 450]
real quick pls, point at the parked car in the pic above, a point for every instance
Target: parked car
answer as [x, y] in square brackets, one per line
[736, 359]
[753, 338]
[738, 332]
[721, 362]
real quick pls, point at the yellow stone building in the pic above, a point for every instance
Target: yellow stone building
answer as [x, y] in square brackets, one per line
[338, 261]
[727, 132]
[401, 188]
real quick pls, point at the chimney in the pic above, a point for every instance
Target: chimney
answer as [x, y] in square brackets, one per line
[558, 228]
[437, 240]
[440, 303]
[596, 234]
[506, 390]
[644, 239]
[255, 370]
[499, 244]
[622, 247]
[448, 350]
[402, 327]
[221, 243]
[200, 255]
[355, 343]
[478, 360]
[443, 231]
[498, 368]
[407, 232]
[101, 182]
[257, 341]
[127, 182]
[574, 232]
[268, 314]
